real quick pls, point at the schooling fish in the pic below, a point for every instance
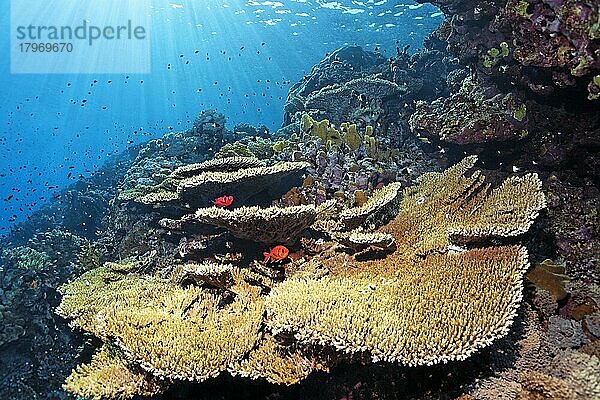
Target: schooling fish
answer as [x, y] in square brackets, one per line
[277, 253]
[224, 201]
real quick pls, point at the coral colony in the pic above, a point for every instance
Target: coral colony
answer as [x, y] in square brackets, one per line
[422, 226]
[356, 296]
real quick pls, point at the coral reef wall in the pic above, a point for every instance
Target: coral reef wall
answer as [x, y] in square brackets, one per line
[352, 187]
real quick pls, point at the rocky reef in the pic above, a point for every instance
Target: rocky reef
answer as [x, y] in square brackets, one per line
[528, 104]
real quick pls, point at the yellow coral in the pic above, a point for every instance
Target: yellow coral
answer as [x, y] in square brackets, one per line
[428, 302]
[379, 201]
[172, 332]
[210, 273]
[321, 129]
[451, 206]
[352, 138]
[441, 309]
[109, 375]
[277, 364]
[348, 134]
[161, 197]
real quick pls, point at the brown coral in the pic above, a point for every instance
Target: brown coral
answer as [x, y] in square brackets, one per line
[471, 116]
[549, 276]
[241, 184]
[265, 225]
[537, 385]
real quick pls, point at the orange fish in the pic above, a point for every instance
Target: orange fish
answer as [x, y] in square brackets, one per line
[224, 201]
[33, 284]
[277, 253]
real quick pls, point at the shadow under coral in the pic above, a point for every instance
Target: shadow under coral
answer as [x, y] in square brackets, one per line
[382, 381]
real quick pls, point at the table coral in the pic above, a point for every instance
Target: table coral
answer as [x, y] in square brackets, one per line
[381, 200]
[241, 184]
[226, 164]
[265, 225]
[428, 301]
[169, 331]
[400, 309]
[109, 375]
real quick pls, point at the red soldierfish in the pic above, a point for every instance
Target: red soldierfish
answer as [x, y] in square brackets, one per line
[277, 253]
[224, 201]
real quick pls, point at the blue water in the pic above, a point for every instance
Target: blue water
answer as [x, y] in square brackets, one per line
[239, 57]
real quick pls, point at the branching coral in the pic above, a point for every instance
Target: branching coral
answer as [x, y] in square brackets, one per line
[275, 363]
[227, 164]
[162, 197]
[359, 240]
[402, 310]
[423, 304]
[472, 210]
[109, 375]
[169, 331]
[380, 200]
[212, 274]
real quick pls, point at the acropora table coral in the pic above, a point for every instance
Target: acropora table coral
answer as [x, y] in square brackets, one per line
[426, 302]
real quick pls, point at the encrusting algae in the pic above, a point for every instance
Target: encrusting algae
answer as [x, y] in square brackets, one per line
[424, 300]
